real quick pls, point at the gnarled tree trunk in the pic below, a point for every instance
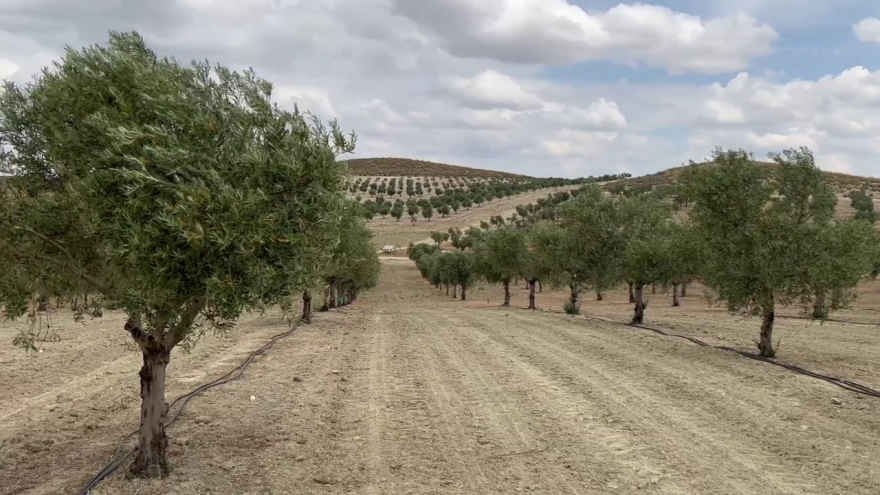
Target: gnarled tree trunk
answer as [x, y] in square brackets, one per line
[463, 293]
[454, 291]
[507, 293]
[540, 287]
[532, 283]
[307, 307]
[675, 301]
[152, 453]
[447, 289]
[640, 304]
[632, 297]
[765, 344]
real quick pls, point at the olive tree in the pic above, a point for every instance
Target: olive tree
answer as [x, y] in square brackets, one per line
[594, 242]
[353, 263]
[647, 238]
[499, 258]
[759, 229]
[178, 193]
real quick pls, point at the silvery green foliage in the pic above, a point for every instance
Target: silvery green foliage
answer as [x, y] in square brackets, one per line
[169, 189]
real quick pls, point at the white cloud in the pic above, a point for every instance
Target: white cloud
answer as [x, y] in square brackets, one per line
[7, 68]
[557, 32]
[491, 89]
[868, 30]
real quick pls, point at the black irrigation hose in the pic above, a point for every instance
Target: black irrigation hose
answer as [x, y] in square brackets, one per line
[119, 459]
[851, 322]
[840, 382]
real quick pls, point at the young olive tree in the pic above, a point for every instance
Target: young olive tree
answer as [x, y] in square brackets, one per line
[179, 193]
[593, 222]
[353, 263]
[683, 261]
[499, 258]
[760, 231]
[645, 257]
[460, 272]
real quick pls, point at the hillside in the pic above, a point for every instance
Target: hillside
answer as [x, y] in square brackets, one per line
[843, 183]
[409, 167]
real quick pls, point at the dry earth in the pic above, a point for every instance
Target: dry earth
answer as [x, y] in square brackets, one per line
[410, 392]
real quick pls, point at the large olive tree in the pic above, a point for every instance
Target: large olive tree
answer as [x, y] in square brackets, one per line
[176, 192]
[763, 234]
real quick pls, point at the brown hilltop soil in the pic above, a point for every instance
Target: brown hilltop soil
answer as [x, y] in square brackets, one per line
[408, 168]
[843, 183]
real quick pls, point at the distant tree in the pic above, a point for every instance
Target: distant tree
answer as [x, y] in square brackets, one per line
[646, 256]
[397, 212]
[444, 209]
[427, 211]
[384, 210]
[412, 209]
[461, 271]
[499, 258]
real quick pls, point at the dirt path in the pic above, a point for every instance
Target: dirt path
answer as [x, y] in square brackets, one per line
[411, 392]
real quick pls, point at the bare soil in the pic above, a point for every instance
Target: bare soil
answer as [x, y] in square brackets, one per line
[411, 392]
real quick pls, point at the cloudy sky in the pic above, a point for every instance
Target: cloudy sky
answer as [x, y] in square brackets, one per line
[542, 87]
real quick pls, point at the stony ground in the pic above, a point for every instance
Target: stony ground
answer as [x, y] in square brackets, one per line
[410, 392]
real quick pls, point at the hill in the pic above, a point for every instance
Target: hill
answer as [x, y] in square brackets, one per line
[843, 183]
[409, 167]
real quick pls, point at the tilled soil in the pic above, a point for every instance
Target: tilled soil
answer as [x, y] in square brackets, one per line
[408, 391]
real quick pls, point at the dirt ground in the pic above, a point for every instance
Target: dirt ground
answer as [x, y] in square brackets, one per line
[410, 392]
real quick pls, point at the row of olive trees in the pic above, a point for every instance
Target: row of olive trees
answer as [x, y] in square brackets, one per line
[179, 194]
[756, 241]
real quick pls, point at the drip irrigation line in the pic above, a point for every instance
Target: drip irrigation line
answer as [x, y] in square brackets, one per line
[119, 457]
[851, 322]
[840, 382]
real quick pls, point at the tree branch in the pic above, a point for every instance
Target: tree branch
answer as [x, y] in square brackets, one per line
[85, 277]
[176, 334]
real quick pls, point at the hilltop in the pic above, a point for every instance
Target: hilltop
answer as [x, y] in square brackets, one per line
[410, 167]
[843, 183]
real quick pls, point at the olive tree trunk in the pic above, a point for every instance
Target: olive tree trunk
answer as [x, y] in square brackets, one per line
[819, 310]
[684, 289]
[540, 287]
[765, 344]
[599, 295]
[532, 293]
[307, 307]
[463, 293]
[333, 296]
[454, 291]
[574, 292]
[152, 453]
[632, 297]
[507, 293]
[675, 301]
[640, 304]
